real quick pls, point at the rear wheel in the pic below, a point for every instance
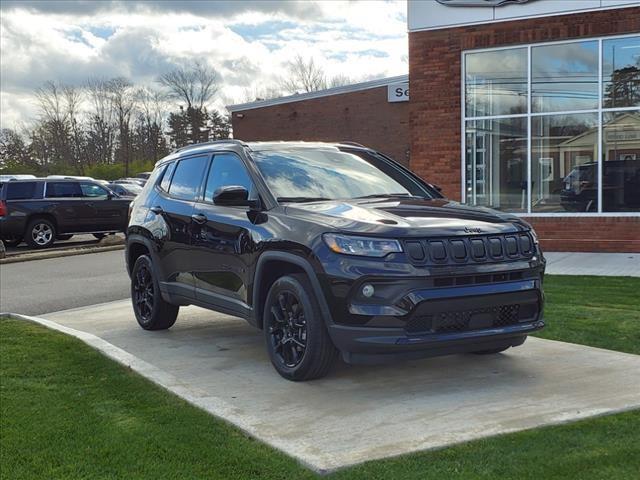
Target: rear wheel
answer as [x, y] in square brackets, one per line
[40, 233]
[297, 339]
[150, 309]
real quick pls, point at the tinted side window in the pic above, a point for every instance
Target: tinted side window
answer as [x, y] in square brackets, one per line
[227, 169]
[93, 190]
[63, 190]
[188, 177]
[20, 191]
[166, 177]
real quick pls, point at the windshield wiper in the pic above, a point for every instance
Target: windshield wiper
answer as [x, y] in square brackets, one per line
[301, 199]
[382, 195]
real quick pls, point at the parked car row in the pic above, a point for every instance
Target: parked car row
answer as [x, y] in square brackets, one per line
[40, 211]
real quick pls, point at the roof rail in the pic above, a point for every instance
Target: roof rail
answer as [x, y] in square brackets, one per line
[214, 142]
[353, 144]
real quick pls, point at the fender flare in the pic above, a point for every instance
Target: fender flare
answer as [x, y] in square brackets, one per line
[138, 238]
[299, 262]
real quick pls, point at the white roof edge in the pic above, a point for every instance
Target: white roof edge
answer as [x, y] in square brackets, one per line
[380, 82]
[524, 17]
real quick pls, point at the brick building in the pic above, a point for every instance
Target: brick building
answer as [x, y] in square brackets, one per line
[374, 113]
[531, 108]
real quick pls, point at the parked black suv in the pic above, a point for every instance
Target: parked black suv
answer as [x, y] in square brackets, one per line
[39, 211]
[329, 248]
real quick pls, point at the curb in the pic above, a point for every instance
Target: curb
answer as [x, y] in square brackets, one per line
[58, 253]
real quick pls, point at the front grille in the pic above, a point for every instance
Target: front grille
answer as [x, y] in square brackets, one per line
[465, 320]
[470, 249]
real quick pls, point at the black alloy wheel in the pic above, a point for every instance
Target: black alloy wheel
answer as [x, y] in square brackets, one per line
[143, 293]
[288, 329]
[297, 339]
[151, 310]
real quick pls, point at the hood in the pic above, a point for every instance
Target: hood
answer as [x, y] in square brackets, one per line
[406, 217]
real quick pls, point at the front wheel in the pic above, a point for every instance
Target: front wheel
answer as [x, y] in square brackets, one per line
[150, 309]
[297, 339]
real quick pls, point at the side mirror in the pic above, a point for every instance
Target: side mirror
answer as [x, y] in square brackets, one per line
[231, 196]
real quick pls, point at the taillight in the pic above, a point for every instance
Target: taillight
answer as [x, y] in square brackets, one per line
[3, 208]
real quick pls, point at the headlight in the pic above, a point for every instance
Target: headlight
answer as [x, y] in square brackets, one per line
[364, 246]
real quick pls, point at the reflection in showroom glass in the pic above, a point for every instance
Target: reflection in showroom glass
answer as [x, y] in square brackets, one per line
[496, 163]
[583, 129]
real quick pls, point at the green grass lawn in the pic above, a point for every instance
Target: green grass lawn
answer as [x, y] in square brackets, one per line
[68, 412]
[598, 311]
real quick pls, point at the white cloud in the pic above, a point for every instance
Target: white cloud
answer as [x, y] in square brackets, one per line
[248, 43]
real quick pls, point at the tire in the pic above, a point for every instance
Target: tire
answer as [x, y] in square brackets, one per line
[296, 337]
[12, 242]
[40, 233]
[99, 236]
[64, 237]
[150, 309]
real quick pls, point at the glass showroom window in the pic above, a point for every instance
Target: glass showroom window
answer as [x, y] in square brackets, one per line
[545, 133]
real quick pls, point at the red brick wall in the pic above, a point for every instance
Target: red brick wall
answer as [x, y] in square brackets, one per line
[364, 116]
[593, 234]
[435, 113]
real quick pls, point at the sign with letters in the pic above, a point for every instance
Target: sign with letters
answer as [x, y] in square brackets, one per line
[398, 92]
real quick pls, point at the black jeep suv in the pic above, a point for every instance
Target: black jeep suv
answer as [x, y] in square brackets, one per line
[329, 248]
[41, 211]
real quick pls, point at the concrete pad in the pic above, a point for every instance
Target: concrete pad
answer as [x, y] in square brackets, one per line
[606, 264]
[360, 413]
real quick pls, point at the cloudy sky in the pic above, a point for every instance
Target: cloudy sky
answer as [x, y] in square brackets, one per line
[247, 42]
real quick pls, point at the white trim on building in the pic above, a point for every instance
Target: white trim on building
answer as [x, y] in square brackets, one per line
[425, 15]
[381, 82]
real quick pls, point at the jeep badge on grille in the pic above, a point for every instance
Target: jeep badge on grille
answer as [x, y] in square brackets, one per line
[472, 230]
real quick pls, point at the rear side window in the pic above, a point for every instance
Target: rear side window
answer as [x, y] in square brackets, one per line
[93, 190]
[187, 178]
[166, 177]
[63, 190]
[20, 190]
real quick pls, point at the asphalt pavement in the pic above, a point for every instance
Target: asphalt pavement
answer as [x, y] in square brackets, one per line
[40, 286]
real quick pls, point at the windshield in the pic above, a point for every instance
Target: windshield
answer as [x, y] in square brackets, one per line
[327, 174]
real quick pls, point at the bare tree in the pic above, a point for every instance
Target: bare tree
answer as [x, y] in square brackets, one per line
[194, 86]
[260, 93]
[339, 80]
[101, 128]
[54, 123]
[151, 105]
[124, 101]
[73, 102]
[304, 75]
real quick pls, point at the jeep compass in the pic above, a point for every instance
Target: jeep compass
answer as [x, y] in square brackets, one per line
[330, 249]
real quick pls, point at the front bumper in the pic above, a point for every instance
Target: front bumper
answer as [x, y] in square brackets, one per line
[442, 321]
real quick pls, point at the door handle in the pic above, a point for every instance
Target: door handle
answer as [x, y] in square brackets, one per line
[199, 218]
[157, 210]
